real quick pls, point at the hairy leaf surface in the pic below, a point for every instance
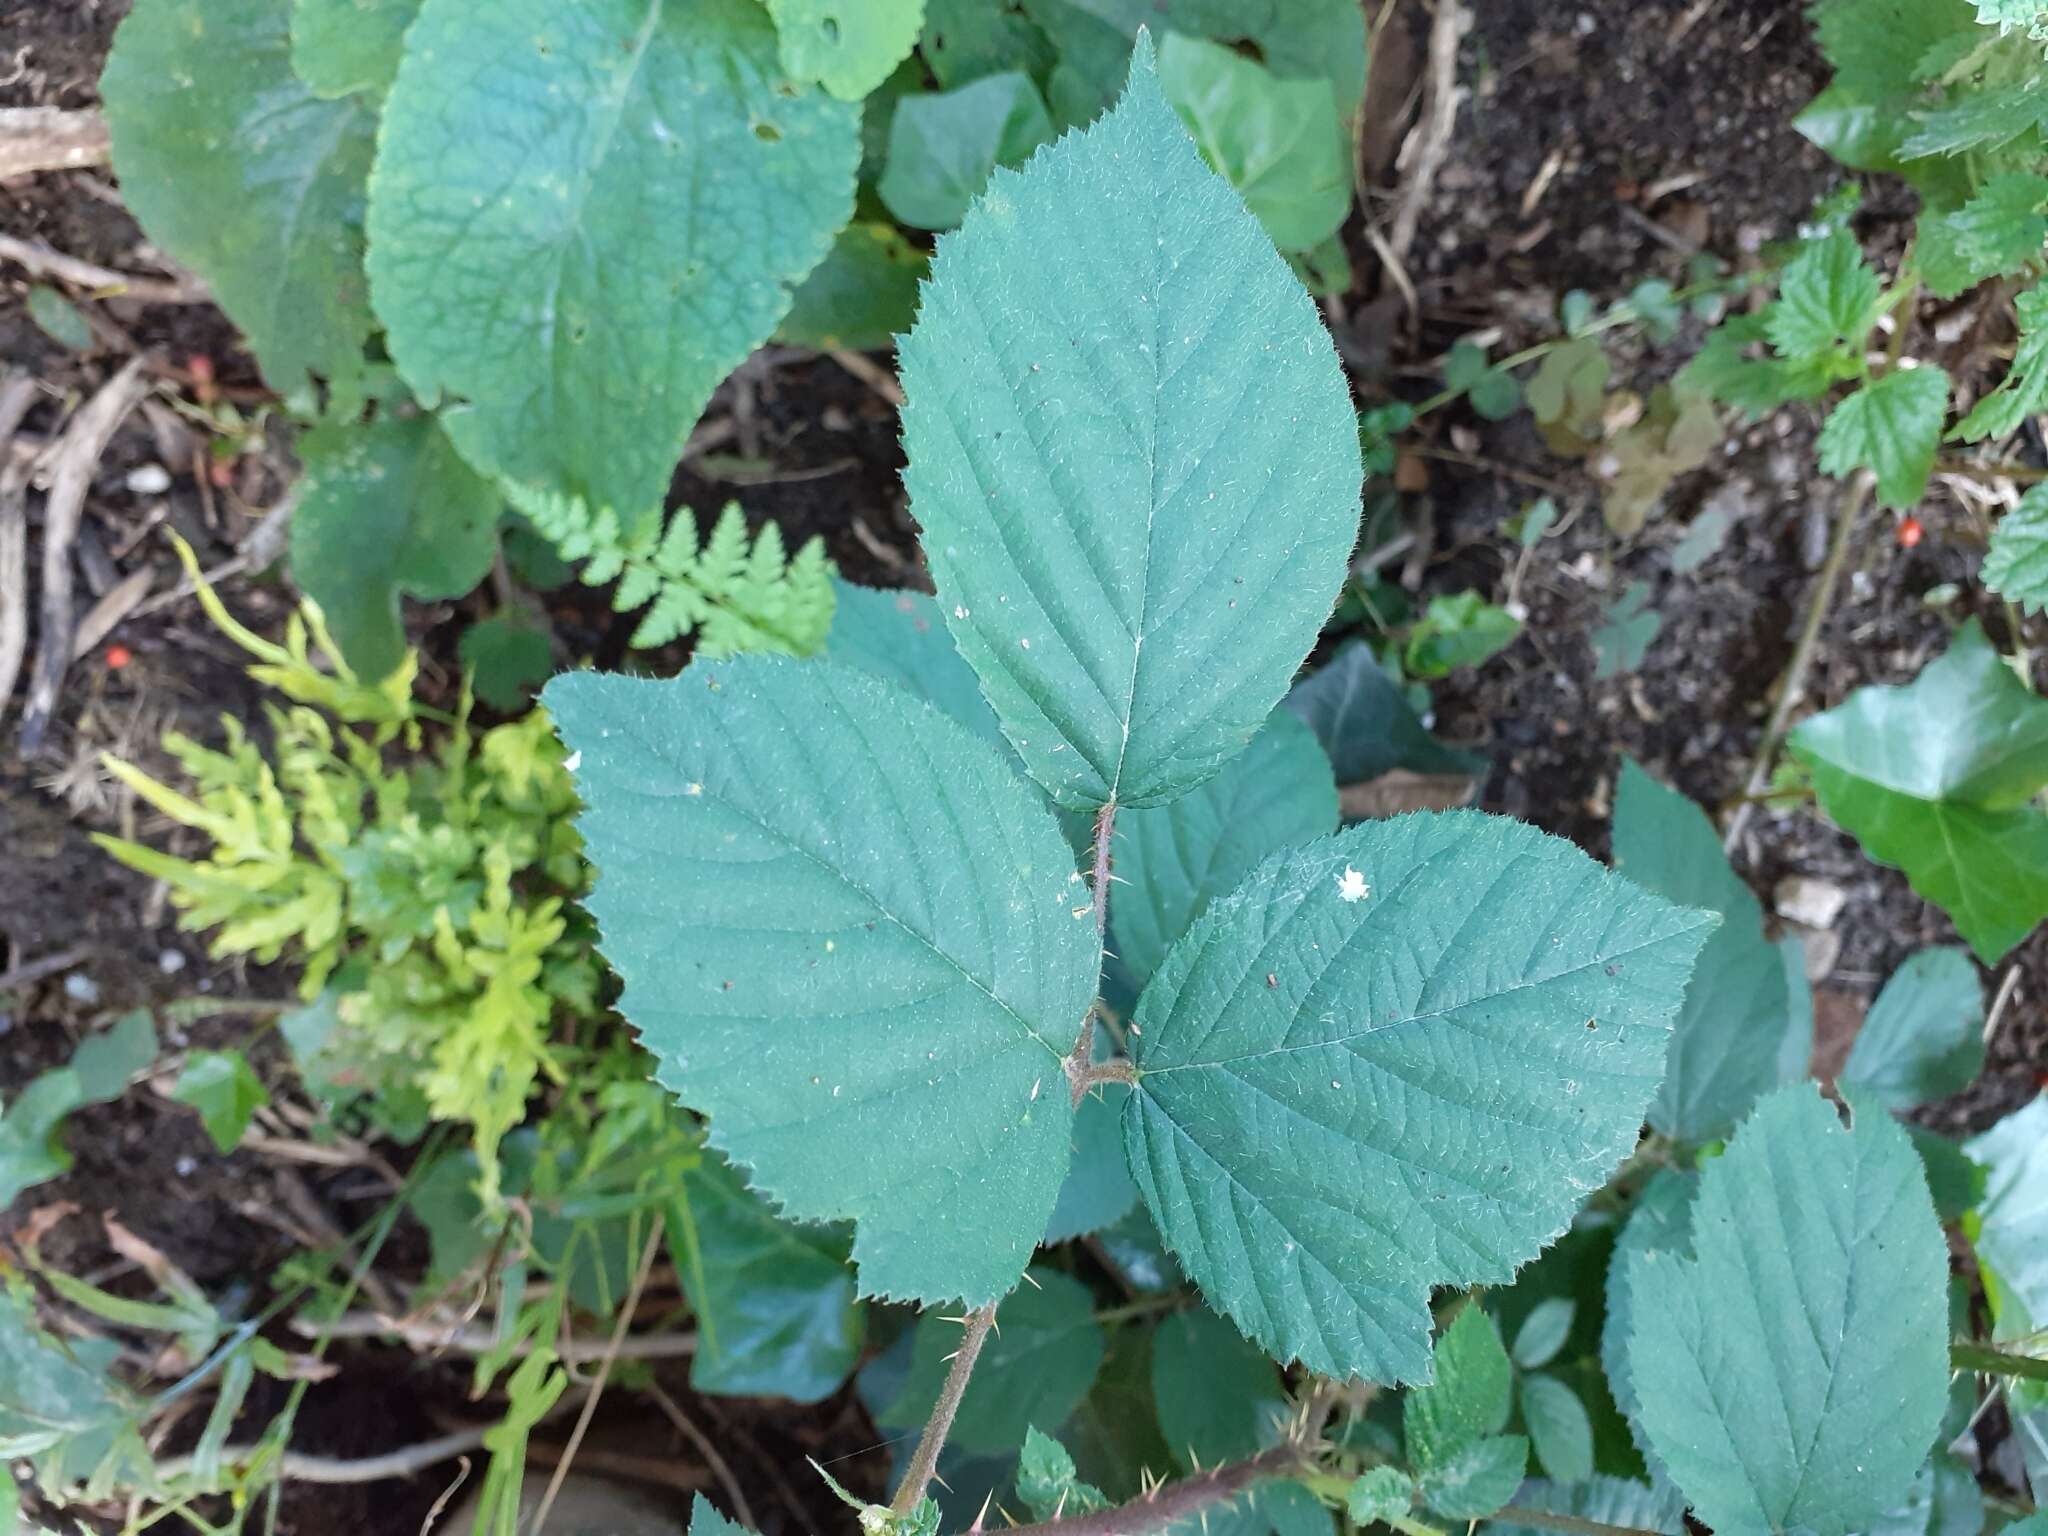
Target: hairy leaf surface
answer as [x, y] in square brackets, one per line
[847, 931]
[1136, 468]
[1396, 1059]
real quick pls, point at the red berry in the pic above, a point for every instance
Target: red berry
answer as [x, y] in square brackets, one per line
[1910, 531]
[118, 656]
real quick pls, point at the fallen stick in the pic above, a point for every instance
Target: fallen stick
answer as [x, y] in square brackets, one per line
[50, 139]
[42, 261]
[17, 393]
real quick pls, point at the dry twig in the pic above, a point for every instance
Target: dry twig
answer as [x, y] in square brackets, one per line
[1430, 139]
[50, 139]
[40, 260]
[17, 393]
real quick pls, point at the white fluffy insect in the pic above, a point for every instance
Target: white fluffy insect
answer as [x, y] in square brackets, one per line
[1351, 885]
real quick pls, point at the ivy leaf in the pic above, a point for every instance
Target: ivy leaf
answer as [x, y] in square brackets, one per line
[1468, 1397]
[1936, 778]
[944, 145]
[386, 508]
[860, 295]
[1218, 1397]
[2024, 390]
[1048, 1484]
[883, 947]
[1110, 526]
[1365, 724]
[1560, 1432]
[1392, 1060]
[848, 46]
[577, 302]
[1279, 142]
[253, 182]
[776, 1314]
[1923, 1038]
[1723, 1053]
[1035, 1367]
[1827, 296]
[1660, 1223]
[340, 47]
[1175, 859]
[1616, 1501]
[226, 1092]
[2016, 564]
[1891, 426]
[1801, 1359]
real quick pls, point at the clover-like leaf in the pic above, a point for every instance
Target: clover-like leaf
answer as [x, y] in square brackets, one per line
[1924, 1036]
[574, 304]
[1122, 460]
[1800, 1359]
[1395, 1059]
[885, 965]
[1937, 778]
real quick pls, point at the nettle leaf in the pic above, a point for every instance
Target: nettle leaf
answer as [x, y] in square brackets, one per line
[1936, 778]
[1891, 426]
[1122, 460]
[1279, 142]
[1660, 1223]
[340, 47]
[1801, 1359]
[1827, 296]
[2024, 390]
[1365, 724]
[2016, 564]
[225, 1090]
[944, 145]
[1997, 230]
[386, 508]
[1175, 859]
[860, 295]
[884, 947]
[847, 46]
[1738, 1006]
[1469, 1396]
[1979, 120]
[1617, 1501]
[776, 1314]
[576, 303]
[250, 179]
[1034, 1368]
[1923, 1038]
[1391, 1060]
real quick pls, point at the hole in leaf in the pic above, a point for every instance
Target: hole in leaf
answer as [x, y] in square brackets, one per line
[767, 133]
[831, 29]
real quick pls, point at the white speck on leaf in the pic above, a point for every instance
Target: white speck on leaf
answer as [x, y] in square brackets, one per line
[573, 761]
[1351, 885]
[693, 789]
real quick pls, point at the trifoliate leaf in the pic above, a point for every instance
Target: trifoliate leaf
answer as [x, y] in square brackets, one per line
[775, 1307]
[1479, 1480]
[1218, 1397]
[1493, 392]
[1614, 1501]
[1121, 460]
[1723, 1053]
[1560, 1433]
[1997, 230]
[2024, 390]
[225, 1090]
[1048, 1483]
[387, 509]
[340, 47]
[884, 946]
[1891, 426]
[1175, 859]
[1469, 1396]
[250, 180]
[1544, 1331]
[1279, 142]
[1827, 296]
[1392, 1060]
[2016, 564]
[1937, 778]
[1923, 1038]
[1800, 1360]
[861, 295]
[1627, 630]
[1379, 1495]
[848, 46]
[1364, 722]
[576, 303]
[944, 145]
[1035, 1367]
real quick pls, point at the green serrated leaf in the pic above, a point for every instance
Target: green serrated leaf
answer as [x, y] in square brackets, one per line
[2016, 564]
[1923, 1038]
[707, 1520]
[340, 47]
[1801, 1358]
[1379, 1495]
[884, 945]
[847, 46]
[387, 509]
[1104, 516]
[1443, 1026]
[1891, 426]
[2024, 390]
[1998, 230]
[776, 1314]
[252, 181]
[1279, 142]
[1978, 120]
[1479, 1480]
[1047, 1482]
[1560, 1432]
[1723, 1053]
[225, 1090]
[860, 295]
[2011, 1234]
[1218, 1397]
[1175, 859]
[575, 304]
[1362, 719]
[1612, 1501]
[1936, 779]
[1544, 1331]
[1469, 1396]
[1035, 1367]
[1459, 629]
[944, 146]
[1661, 1222]
[1827, 296]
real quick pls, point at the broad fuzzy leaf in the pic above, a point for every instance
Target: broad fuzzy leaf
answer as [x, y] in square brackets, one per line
[944, 145]
[2016, 564]
[1936, 778]
[1175, 859]
[1136, 468]
[340, 47]
[1923, 1038]
[848, 933]
[1365, 724]
[239, 171]
[575, 303]
[1724, 1048]
[1391, 1060]
[1800, 1361]
[387, 509]
[900, 636]
[848, 46]
[1891, 426]
[1544, 1331]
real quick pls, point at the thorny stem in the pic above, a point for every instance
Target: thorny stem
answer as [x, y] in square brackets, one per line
[1082, 1073]
[917, 1477]
[1105, 824]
